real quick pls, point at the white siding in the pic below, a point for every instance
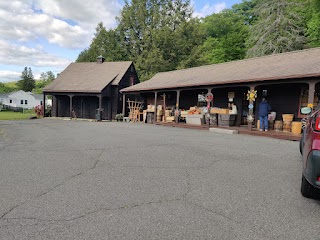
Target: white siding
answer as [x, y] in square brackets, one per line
[19, 96]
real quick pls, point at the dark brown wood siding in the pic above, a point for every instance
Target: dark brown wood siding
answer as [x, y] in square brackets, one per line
[85, 107]
[125, 82]
[283, 98]
[63, 105]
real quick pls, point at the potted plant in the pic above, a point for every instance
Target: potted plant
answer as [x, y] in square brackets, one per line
[119, 117]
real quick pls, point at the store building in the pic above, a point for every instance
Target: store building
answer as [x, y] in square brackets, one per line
[288, 80]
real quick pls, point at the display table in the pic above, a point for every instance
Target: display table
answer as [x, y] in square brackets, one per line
[194, 119]
[226, 120]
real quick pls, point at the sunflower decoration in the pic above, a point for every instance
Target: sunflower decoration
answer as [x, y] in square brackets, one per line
[252, 95]
[310, 105]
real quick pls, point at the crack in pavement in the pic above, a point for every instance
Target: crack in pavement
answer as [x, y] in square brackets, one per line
[212, 211]
[66, 180]
[173, 168]
[182, 197]
[128, 207]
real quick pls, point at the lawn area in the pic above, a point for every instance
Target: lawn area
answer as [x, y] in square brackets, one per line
[7, 115]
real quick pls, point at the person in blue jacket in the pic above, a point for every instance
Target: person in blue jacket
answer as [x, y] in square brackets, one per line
[264, 109]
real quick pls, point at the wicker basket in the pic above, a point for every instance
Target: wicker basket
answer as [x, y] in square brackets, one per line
[287, 117]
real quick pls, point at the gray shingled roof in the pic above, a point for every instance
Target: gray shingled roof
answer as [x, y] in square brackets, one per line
[297, 64]
[4, 95]
[37, 96]
[89, 77]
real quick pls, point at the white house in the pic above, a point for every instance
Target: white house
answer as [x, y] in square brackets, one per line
[22, 99]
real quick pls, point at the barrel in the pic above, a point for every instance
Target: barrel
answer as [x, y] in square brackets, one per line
[296, 127]
[287, 126]
[287, 117]
[278, 126]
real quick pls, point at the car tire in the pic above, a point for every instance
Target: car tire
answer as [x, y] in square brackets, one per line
[301, 145]
[307, 190]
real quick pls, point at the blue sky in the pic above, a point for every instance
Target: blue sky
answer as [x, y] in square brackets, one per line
[49, 35]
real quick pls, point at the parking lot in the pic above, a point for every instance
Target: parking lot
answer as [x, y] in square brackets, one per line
[108, 180]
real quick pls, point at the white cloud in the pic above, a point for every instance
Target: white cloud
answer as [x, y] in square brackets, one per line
[67, 23]
[27, 27]
[12, 54]
[209, 9]
[20, 56]
[9, 76]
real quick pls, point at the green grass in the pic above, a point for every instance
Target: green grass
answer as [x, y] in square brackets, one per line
[7, 115]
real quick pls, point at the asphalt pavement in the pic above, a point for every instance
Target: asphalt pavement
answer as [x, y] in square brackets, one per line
[109, 180]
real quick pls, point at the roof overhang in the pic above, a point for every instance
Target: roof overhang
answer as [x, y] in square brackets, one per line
[239, 81]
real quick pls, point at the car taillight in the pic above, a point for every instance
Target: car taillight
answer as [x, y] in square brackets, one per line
[317, 125]
[318, 181]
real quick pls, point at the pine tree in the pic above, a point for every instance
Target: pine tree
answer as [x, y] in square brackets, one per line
[27, 82]
[313, 25]
[279, 28]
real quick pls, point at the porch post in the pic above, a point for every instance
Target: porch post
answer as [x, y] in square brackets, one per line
[100, 106]
[176, 116]
[164, 107]
[312, 87]
[155, 107]
[178, 99]
[207, 116]
[123, 104]
[55, 106]
[71, 105]
[252, 87]
[44, 104]
[100, 102]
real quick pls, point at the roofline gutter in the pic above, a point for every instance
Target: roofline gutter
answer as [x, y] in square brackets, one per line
[225, 82]
[57, 92]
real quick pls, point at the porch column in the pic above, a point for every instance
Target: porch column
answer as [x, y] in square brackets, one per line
[176, 115]
[312, 87]
[155, 107]
[44, 104]
[178, 99]
[100, 102]
[55, 106]
[100, 106]
[71, 105]
[123, 104]
[209, 104]
[210, 91]
[252, 87]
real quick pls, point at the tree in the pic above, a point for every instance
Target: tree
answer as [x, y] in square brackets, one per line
[27, 82]
[158, 35]
[7, 87]
[45, 79]
[105, 43]
[226, 35]
[313, 29]
[279, 28]
[246, 9]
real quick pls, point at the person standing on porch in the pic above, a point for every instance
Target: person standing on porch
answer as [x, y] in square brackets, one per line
[264, 109]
